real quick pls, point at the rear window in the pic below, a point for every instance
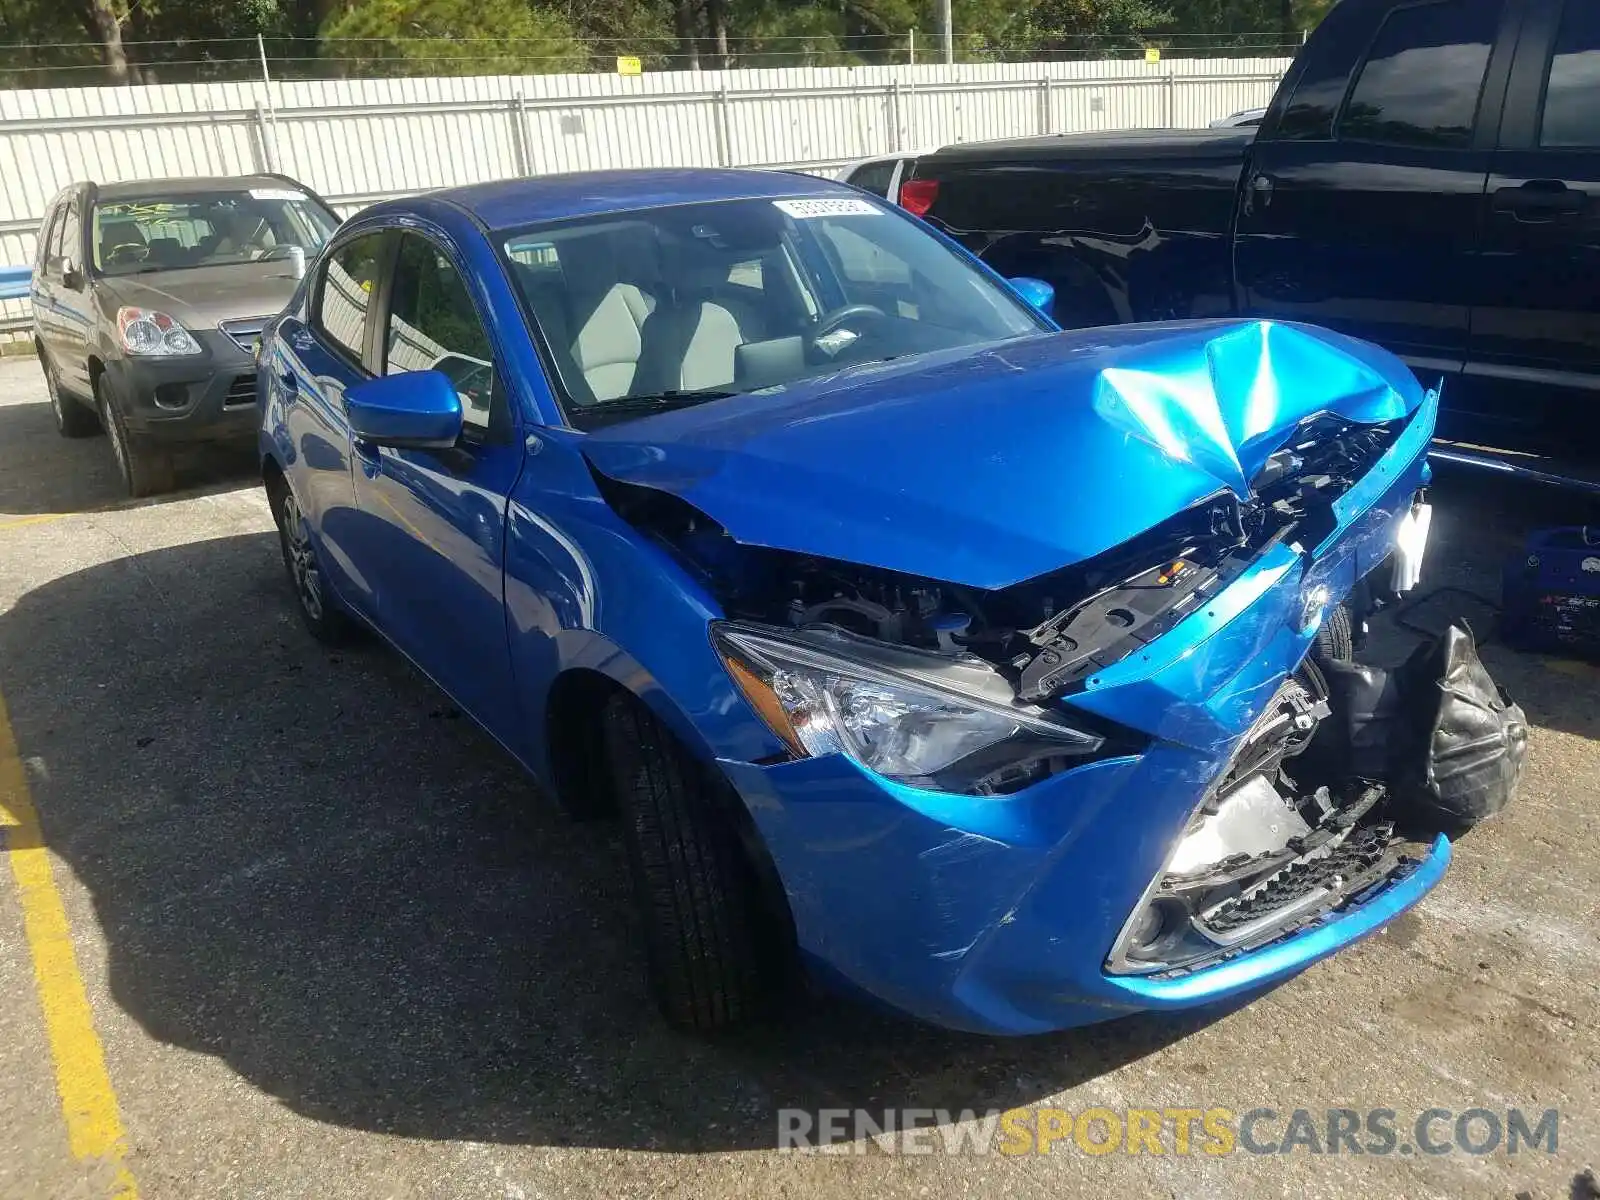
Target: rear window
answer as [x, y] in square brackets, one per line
[875, 177]
[1422, 78]
[1572, 97]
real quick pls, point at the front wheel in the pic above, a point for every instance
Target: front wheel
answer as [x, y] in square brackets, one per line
[1335, 641]
[146, 470]
[317, 609]
[704, 922]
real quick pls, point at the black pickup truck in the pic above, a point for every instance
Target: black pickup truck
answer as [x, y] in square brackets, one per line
[1427, 177]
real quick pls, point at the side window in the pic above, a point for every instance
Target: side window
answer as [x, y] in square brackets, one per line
[47, 252]
[1571, 111]
[1323, 79]
[433, 325]
[874, 177]
[1423, 76]
[345, 294]
[71, 236]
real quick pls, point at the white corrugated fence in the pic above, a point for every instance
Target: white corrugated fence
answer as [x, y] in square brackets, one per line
[360, 140]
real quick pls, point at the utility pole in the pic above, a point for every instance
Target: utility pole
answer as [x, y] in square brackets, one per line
[947, 31]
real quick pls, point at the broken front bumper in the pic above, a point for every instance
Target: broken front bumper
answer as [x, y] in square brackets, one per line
[998, 914]
[999, 921]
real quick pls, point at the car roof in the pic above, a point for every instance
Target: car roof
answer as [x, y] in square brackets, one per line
[515, 202]
[195, 185]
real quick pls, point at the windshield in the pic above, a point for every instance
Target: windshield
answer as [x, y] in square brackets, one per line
[668, 307]
[214, 229]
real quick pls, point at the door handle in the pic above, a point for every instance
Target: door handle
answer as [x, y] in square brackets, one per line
[1540, 199]
[291, 385]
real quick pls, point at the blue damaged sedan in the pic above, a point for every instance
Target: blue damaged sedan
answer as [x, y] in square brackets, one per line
[921, 648]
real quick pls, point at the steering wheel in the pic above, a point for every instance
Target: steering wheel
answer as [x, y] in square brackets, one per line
[834, 319]
[127, 252]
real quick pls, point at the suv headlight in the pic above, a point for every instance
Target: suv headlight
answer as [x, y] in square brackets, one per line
[928, 720]
[153, 334]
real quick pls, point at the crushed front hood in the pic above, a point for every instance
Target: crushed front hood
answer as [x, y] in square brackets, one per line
[988, 466]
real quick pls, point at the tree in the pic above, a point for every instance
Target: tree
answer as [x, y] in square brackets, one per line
[105, 23]
[453, 37]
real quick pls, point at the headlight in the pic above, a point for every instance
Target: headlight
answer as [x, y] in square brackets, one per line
[951, 725]
[153, 334]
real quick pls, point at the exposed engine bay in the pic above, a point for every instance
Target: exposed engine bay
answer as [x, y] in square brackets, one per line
[1046, 635]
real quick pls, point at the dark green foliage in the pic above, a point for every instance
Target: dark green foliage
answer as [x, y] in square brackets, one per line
[63, 42]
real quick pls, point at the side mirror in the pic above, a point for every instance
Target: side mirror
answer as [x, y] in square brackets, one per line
[415, 410]
[1036, 292]
[71, 275]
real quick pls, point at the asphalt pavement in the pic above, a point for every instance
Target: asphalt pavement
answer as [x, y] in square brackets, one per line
[334, 945]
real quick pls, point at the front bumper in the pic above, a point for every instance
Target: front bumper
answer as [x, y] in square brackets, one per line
[202, 397]
[997, 914]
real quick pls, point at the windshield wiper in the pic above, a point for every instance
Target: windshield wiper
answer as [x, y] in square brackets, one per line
[643, 406]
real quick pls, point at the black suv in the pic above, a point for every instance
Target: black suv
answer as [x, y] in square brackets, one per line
[148, 299]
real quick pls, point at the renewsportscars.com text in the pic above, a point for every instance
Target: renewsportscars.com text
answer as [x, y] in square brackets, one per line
[1171, 1131]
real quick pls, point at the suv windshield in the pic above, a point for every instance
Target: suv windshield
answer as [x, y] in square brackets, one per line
[159, 233]
[667, 307]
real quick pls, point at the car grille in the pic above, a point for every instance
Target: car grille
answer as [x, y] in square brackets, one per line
[241, 392]
[245, 332]
[1358, 854]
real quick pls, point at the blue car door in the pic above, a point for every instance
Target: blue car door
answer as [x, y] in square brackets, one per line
[322, 352]
[433, 521]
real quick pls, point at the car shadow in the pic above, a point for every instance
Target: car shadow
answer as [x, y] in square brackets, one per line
[43, 473]
[311, 866]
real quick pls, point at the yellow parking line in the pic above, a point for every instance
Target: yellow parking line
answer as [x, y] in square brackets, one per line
[94, 1127]
[41, 519]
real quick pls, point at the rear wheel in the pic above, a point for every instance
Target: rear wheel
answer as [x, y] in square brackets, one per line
[146, 470]
[317, 609]
[704, 922]
[73, 420]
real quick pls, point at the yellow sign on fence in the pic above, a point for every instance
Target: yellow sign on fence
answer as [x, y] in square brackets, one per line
[1152, 54]
[628, 64]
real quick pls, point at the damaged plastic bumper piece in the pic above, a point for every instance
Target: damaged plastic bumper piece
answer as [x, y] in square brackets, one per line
[1368, 910]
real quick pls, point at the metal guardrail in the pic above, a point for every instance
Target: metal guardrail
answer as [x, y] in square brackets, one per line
[14, 283]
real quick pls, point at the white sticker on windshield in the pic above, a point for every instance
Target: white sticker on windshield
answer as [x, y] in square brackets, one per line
[275, 194]
[841, 207]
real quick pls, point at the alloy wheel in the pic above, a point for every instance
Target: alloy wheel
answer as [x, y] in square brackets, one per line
[52, 386]
[302, 558]
[119, 448]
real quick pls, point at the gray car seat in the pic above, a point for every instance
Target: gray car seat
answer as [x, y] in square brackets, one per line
[691, 342]
[610, 292]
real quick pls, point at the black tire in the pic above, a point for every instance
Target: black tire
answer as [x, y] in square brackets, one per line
[73, 420]
[1336, 639]
[707, 936]
[318, 610]
[146, 470]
